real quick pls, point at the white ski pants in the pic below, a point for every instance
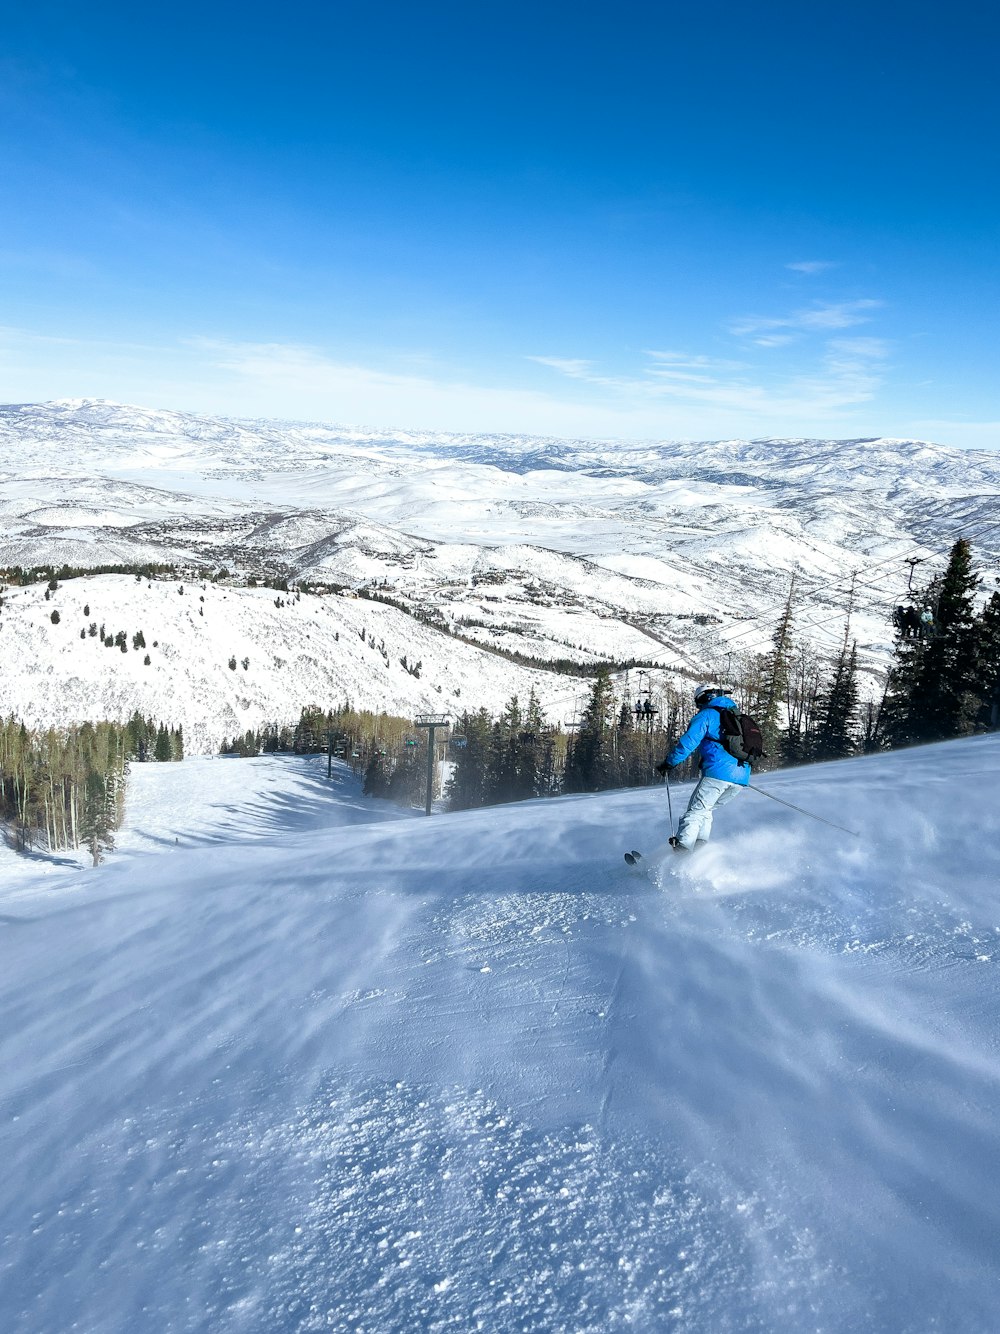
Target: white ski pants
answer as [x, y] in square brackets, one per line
[696, 823]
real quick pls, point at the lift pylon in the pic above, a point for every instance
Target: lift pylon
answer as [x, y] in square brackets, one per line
[431, 721]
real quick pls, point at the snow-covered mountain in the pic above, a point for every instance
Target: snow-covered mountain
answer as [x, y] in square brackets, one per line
[675, 554]
[312, 1067]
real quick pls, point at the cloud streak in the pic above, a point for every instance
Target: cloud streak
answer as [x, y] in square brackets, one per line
[847, 374]
[821, 317]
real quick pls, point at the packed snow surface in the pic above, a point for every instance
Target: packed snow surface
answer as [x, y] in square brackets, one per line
[321, 1065]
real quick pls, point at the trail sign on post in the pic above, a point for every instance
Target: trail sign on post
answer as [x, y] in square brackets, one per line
[431, 721]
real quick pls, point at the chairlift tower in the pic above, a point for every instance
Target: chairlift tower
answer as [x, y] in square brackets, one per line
[431, 721]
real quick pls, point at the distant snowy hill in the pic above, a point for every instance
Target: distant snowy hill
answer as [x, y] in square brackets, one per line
[675, 554]
[312, 1067]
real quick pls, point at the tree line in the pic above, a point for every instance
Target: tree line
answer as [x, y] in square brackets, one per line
[945, 681]
[64, 788]
[22, 575]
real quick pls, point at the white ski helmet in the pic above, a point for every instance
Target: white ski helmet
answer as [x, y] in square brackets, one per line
[705, 690]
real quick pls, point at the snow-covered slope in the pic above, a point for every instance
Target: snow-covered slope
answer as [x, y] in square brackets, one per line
[682, 550]
[225, 659]
[469, 1073]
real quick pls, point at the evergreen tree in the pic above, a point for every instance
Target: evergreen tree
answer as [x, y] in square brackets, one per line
[932, 685]
[590, 763]
[161, 748]
[530, 743]
[469, 787]
[137, 737]
[408, 781]
[775, 673]
[376, 780]
[987, 668]
[503, 773]
[834, 736]
[308, 732]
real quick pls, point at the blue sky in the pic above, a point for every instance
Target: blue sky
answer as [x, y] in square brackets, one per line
[635, 219]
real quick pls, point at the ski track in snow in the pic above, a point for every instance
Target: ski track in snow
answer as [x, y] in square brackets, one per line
[472, 1073]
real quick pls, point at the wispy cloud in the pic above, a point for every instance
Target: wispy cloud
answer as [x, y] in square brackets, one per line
[575, 368]
[865, 349]
[811, 265]
[689, 361]
[775, 339]
[847, 372]
[820, 317]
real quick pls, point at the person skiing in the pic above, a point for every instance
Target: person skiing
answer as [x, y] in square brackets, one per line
[722, 775]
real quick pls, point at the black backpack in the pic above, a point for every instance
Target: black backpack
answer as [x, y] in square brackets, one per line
[740, 735]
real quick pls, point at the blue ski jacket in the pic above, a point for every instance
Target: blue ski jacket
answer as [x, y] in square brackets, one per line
[703, 733]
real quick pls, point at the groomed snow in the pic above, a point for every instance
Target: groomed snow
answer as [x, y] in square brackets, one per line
[297, 1072]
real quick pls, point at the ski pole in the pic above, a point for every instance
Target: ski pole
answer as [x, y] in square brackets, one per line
[670, 805]
[761, 793]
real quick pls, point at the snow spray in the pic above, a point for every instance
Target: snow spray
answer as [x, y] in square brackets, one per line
[761, 793]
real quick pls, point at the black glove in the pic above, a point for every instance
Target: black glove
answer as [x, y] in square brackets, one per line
[662, 768]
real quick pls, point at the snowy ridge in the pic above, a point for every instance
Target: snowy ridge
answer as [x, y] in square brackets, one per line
[470, 1072]
[224, 660]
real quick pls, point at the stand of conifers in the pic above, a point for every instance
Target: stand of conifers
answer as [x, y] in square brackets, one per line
[64, 788]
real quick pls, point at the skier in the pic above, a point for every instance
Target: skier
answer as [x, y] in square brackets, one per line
[722, 775]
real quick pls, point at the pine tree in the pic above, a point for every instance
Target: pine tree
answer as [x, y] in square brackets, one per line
[137, 733]
[775, 671]
[932, 685]
[590, 763]
[161, 748]
[376, 780]
[468, 787]
[530, 743]
[407, 783]
[834, 736]
[987, 668]
[502, 771]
